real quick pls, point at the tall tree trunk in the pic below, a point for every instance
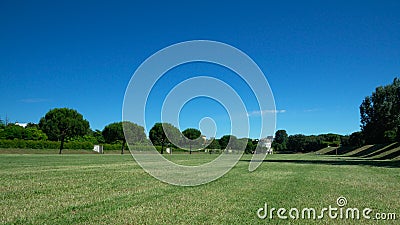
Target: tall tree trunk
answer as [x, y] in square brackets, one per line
[190, 149]
[123, 147]
[162, 147]
[62, 145]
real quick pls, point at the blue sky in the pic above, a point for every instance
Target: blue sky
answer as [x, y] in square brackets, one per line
[321, 58]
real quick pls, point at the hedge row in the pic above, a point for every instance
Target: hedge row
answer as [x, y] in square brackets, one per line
[31, 144]
[43, 144]
[111, 146]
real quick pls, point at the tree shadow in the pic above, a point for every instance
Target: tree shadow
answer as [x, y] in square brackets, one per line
[391, 155]
[387, 148]
[370, 150]
[367, 152]
[341, 150]
[340, 162]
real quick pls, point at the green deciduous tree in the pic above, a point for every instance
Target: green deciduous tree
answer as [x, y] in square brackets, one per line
[281, 137]
[124, 132]
[33, 133]
[99, 136]
[250, 147]
[345, 140]
[62, 123]
[161, 133]
[380, 114]
[241, 144]
[224, 140]
[191, 134]
[12, 131]
[214, 144]
[232, 142]
[296, 143]
[32, 125]
[356, 139]
[280, 140]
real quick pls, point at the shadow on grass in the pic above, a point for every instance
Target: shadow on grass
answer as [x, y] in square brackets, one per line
[341, 150]
[382, 150]
[362, 162]
[392, 155]
[370, 150]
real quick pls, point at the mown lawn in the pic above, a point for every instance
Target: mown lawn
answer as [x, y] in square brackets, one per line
[113, 189]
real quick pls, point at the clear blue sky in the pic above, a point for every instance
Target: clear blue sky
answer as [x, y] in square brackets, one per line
[321, 58]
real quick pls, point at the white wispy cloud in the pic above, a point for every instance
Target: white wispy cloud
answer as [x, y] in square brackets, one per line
[263, 112]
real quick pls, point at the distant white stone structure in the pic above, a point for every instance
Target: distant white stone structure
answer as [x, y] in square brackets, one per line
[204, 139]
[267, 143]
[98, 148]
[168, 150]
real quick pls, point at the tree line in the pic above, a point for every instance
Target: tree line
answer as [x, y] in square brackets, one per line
[380, 123]
[300, 143]
[68, 125]
[165, 134]
[379, 119]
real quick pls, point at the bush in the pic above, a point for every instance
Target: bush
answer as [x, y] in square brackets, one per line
[7, 144]
[390, 136]
[112, 146]
[357, 139]
[43, 144]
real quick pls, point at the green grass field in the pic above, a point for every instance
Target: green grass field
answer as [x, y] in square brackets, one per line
[113, 189]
